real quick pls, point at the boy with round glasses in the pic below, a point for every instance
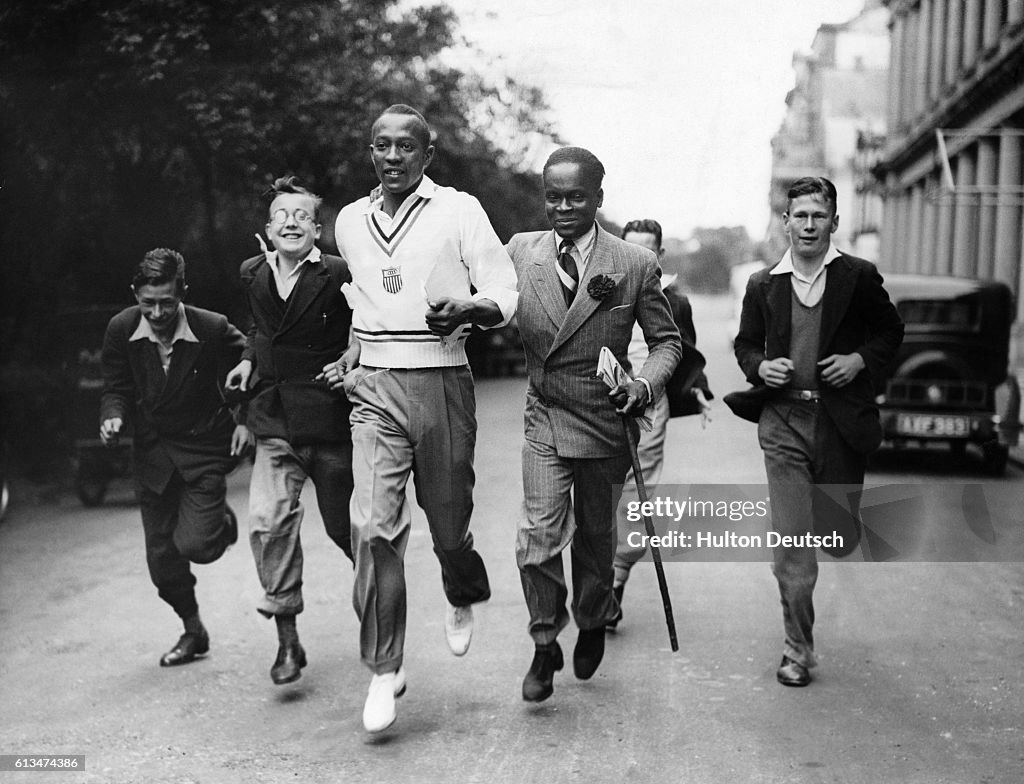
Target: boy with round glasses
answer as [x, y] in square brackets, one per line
[301, 322]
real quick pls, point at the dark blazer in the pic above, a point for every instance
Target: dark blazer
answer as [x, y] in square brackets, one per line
[289, 350]
[856, 315]
[180, 420]
[689, 373]
[567, 405]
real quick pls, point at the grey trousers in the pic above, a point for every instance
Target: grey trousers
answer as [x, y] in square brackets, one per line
[423, 422]
[811, 472]
[569, 502]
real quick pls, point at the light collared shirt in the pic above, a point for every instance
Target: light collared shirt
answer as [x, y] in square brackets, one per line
[809, 290]
[582, 248]
[285, 282]
[181, 332]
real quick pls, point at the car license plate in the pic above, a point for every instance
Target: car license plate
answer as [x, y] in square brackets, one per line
[929, 426]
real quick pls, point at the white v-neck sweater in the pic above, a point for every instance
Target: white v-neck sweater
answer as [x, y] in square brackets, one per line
[392, 259]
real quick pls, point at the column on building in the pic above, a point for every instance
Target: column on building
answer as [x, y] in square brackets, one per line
[899, 225]
[987, 180]
[908, 74]
[992, 24]
[887, 251]
[972, 32]
[1015, 12]
[924, 28]
[954, 33]
[929, 227]
[1008, 211]
[914, 262]
[938, 49]
[895, 113]
[965, 210]
[944, 231]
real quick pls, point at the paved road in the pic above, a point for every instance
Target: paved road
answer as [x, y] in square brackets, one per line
[920, 677]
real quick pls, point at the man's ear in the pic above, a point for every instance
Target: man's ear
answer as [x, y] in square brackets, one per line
[428, 156]
[600, 197]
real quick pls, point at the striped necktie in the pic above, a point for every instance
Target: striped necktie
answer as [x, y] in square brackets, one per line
[568, 265]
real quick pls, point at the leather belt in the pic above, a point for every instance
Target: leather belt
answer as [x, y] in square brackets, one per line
[799, 394]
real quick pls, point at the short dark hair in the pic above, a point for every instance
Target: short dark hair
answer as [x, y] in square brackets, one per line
[643, 226]
[421, 128]
[586, 160]
[160, 266]
[290, 184]
[812, 186]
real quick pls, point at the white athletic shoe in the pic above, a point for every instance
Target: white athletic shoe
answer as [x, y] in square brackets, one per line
[379, 711]
[458, 628]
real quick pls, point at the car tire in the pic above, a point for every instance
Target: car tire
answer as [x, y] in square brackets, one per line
[995, 458]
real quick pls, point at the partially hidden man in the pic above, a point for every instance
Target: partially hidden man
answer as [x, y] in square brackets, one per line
[580, 289]
[817, 334]
[300, 321]
[163, 362]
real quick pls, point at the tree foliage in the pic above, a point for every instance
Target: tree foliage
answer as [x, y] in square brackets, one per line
[130, 124]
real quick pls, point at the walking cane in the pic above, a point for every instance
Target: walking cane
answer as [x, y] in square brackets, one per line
[638, 476]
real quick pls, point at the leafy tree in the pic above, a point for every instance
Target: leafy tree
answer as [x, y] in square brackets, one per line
[128, 124]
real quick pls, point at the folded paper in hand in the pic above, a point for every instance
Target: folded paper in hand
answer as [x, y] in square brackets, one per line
[610, 371]
[447, 280]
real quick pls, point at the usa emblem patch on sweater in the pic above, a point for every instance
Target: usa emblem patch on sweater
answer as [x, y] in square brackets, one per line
[392, 279]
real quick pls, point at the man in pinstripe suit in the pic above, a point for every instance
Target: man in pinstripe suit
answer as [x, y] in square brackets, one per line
[580, 288]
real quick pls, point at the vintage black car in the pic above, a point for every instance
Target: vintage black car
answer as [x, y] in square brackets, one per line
[950, 381]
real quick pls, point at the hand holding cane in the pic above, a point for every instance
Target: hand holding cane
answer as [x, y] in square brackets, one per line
[611, 372]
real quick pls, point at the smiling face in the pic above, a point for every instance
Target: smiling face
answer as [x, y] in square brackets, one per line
[159, 305]
[571, 199]
[809, 223]
[400, 153]
[292, 227]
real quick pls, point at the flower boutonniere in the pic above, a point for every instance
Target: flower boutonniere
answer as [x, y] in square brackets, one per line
[600, 286]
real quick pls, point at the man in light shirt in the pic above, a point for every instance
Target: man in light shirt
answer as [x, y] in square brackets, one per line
[163, 362]
[416, 250]
[300, 321]
[818, 329]
[692, 396]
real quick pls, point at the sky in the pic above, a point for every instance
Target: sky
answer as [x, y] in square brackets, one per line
[678, 98]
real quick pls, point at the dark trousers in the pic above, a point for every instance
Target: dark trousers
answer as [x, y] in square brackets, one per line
[184, 524]
[812, 474]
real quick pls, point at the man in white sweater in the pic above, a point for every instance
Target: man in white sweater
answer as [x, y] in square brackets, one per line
[414, 249]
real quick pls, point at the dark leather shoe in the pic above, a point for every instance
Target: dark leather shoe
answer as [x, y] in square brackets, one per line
[588, 652]
[189, 646]
[230, 525]
[792, 673]
[614, 622]
[538, 684]
[288, 664]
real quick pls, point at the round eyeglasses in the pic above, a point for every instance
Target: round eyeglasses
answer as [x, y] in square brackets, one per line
[280, 216]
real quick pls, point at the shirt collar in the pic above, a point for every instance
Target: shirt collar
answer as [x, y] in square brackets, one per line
[583, 244]
[312, 257]
[426, 189]
[785, 267]
[181, 332]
